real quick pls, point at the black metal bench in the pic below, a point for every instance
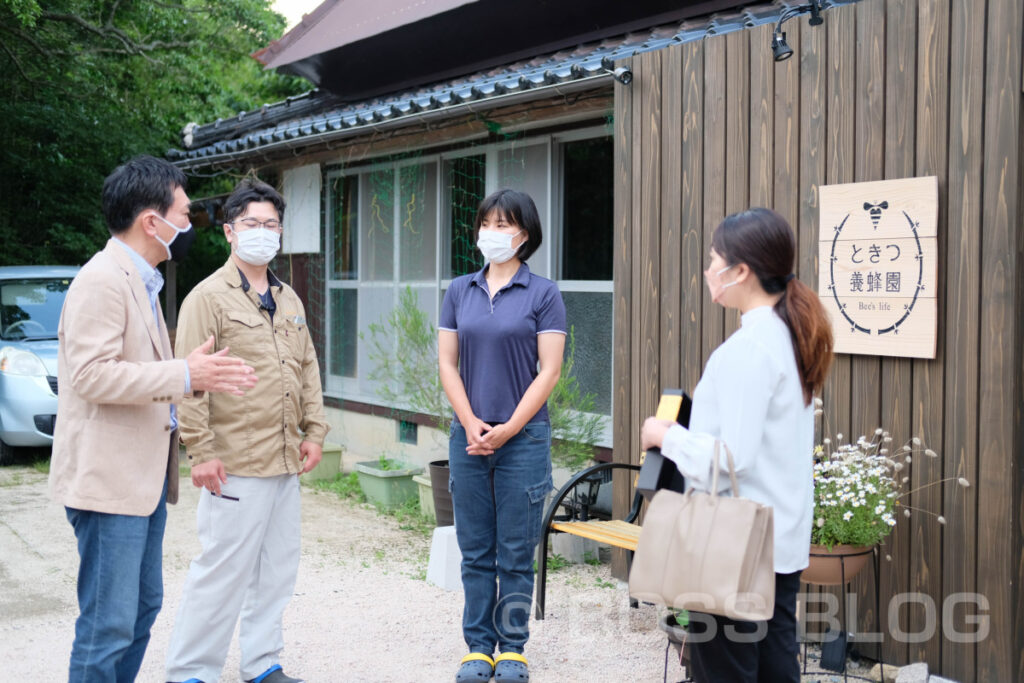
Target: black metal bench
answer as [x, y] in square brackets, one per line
[581, 518]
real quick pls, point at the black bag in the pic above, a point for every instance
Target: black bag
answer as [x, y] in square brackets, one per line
[657, 471]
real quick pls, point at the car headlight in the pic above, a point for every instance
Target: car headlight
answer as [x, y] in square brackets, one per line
[17, 362]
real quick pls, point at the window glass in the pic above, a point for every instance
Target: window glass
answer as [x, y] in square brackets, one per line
[30, 309]
[589, 315]
[344, 203]
[587, 212]
[525, 168]
[375, 305]
[377, 218]
[466, 183]
[417, 194]
[344, 332]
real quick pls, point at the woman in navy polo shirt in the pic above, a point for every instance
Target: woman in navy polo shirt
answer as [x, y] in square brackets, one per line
[502, 333]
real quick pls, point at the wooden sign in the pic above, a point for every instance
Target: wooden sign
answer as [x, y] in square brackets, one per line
[878, 265]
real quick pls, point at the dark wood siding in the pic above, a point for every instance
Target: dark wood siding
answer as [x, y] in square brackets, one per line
[885, 89]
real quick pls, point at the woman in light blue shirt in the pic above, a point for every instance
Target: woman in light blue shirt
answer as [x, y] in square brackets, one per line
[756, 396]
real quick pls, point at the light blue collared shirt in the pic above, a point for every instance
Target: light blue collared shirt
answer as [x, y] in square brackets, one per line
[154, 282]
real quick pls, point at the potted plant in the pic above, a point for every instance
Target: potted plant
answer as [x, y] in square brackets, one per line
[574, 426]
[674, 623]
[387, 482]
[858, 496]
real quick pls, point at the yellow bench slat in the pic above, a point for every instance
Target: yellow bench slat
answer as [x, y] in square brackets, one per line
[615, 532]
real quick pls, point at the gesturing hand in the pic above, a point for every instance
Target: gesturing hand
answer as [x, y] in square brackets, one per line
[218, 371]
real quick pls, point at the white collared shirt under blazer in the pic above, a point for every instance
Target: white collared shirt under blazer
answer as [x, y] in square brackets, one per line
[751, 398]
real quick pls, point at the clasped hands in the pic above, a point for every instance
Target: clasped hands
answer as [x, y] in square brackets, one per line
[483, 439]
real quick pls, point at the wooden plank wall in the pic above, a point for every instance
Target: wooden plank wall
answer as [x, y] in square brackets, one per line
[885, 89]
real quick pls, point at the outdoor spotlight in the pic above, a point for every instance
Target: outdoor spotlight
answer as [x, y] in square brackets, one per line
[623, 75]
[780, 48]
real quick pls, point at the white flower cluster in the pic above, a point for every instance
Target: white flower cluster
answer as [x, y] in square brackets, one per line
[855, 490]
[859, 486]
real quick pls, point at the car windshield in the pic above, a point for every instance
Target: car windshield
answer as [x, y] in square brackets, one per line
[30, 308]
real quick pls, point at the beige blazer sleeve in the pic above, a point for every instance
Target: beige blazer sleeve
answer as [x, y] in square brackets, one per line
[197, 321]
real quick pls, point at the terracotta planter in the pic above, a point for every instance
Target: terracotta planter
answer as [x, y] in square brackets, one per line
[830, 567]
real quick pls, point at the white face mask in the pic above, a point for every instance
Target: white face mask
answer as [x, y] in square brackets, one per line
[256, 246]
[497, 246]
[178, 246]
[715, 286]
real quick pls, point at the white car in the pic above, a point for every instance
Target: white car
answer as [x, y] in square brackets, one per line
[31, 298]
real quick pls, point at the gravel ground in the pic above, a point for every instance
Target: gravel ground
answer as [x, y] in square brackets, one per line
[362, 610]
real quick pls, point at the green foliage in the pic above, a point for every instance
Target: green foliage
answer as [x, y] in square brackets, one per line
[89, 84]
[411, 518]
[386, 464]
[574, 426]
[25, 11]
[346, 486]
[402, 349]
[681, 616]
[41, 466]
[556, 562]
[408, 515]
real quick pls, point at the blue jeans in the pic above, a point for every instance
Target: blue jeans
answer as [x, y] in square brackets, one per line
[499, 502]
[120, 590]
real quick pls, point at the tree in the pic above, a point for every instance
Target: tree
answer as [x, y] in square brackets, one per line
[88, 84]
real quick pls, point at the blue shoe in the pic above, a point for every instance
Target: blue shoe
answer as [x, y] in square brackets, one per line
[510, 667]
[476, 667]
[274, 675]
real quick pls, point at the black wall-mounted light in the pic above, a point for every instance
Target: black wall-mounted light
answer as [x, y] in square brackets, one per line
[780, 48]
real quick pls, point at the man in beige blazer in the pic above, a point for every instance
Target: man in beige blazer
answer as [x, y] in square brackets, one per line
[115, 445]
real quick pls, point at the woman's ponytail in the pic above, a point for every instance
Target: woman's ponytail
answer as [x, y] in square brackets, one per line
[808, 323]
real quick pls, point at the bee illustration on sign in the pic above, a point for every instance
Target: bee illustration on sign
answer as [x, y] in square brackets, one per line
[874, 280]
[875, 211]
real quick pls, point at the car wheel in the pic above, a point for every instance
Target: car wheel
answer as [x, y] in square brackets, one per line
[6, 453]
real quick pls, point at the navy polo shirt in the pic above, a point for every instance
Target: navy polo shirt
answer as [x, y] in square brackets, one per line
[498, 337]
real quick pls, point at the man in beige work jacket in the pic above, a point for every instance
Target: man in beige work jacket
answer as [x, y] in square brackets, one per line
[247, 452]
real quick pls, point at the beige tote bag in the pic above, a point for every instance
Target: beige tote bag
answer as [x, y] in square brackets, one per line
[707, 553]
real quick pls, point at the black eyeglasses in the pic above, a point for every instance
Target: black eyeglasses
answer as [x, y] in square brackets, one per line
[251, 223]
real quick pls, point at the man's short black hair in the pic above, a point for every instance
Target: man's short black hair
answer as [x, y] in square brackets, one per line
[139, 184]
[248, 191]
[516, 208]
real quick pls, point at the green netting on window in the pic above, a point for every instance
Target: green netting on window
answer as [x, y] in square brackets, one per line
[466, 186]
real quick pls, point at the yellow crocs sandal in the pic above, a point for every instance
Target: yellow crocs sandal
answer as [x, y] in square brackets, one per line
[476, 667]
[510, 667]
